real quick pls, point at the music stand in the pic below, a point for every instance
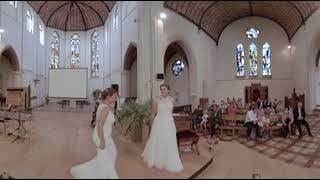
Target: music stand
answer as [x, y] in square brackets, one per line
[21, 122]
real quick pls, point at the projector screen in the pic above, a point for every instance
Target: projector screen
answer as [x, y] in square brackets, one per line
[68, 83]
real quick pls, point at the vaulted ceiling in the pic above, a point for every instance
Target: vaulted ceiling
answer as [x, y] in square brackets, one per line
[214, 16]
[73, 15]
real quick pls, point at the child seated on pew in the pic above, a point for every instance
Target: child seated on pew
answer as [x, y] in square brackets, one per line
[204, 121]
[263, 122]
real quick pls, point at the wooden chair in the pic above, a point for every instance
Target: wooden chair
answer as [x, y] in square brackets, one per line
[185, 134]
[275, 124]
[239, 122]
[228, 123]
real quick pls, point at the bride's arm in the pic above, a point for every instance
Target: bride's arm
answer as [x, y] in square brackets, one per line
[172, 100]
[102, 120]
[153, 110]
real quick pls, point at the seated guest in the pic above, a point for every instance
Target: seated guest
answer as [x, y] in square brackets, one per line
[263, 122]
[299, 119]
[268, 104]
[228, 100]
[211, 107]
[259, 103]
[239, 103]
[206, 105]
[287, 121]
[196, 117]
[203, 123]
[279, 107]
[214, 121]
[291, 117]
[265, 104]
[275, 102]
[223, 107]
[251, 121]
[233, 99]
[232, 108]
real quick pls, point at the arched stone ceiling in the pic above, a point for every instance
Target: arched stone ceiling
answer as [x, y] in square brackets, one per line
[73, 15]
[214, 16]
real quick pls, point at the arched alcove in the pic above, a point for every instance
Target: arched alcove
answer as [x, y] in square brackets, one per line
[9, 63]
[178, 79]
[130, 71]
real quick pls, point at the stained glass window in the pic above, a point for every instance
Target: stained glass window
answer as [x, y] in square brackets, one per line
[177, 68]
[266, 53]
[240, 60]
[55, 41]
[41, 34]
[30, 21]
[13, 3]
[75, 51]
[94, 55]
[252, 33]
[253, 59]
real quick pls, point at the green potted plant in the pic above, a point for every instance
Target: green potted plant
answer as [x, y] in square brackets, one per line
[134, 116]
[47, 100]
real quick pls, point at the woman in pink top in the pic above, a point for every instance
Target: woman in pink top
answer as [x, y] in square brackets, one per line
[232, 108]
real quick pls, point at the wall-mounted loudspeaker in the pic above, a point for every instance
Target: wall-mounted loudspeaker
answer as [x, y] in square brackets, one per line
[160, 76]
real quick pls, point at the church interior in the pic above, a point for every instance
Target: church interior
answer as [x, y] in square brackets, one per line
[56, 58]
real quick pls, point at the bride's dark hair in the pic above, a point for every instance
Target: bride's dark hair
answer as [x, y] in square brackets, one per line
[107, 92]
[165, 85]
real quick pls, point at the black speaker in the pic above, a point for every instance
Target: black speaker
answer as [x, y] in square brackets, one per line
[160, 76]
[116, 87]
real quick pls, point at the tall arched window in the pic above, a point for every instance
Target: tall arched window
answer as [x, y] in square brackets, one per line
[75, 51]
[94, 54]
[253, 59]
[55, 41]
[41, 34]
[13, 3]
[240, 60]
[116, 18]
[30, 21]
[266, 55]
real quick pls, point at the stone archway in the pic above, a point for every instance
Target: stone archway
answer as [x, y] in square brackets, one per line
[180, 84]
[130, 72]
[9, 65]
[8, 52]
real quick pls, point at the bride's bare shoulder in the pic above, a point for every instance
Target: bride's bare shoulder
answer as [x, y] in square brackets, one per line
[171, 98]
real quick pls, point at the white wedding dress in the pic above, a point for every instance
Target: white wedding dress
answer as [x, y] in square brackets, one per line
[161, 150]
[102, 166]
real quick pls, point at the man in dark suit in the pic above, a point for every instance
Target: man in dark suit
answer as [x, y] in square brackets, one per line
[215, 119]
[196, 117]
[299, 119]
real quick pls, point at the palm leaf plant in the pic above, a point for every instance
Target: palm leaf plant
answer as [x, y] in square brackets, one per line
[134, 116]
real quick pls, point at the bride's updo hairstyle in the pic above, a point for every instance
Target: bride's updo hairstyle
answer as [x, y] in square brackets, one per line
[165, 85]
[107, 92]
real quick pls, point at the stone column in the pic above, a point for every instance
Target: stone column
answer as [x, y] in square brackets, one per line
[158, 51]
[144, 51]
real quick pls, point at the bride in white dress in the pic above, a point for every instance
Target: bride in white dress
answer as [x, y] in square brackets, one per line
[102, 166]
[161, 150]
